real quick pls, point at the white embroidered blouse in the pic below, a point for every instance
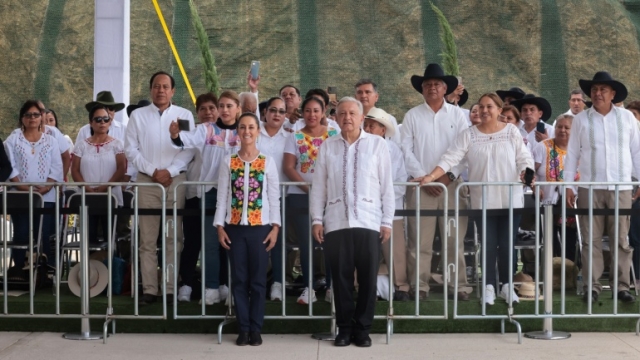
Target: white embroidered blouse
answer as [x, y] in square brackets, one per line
[98, 162]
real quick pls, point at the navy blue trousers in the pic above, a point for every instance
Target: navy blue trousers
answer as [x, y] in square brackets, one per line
[249, 260]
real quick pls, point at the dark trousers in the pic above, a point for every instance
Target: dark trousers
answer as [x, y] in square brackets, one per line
[634, 239]
[21, 235]
[192, 229]
[298, 209]
[249, 260]
[350, 250]
[497, 247]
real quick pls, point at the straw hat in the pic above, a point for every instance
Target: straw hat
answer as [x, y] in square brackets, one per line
[98, 278]
[527, 291]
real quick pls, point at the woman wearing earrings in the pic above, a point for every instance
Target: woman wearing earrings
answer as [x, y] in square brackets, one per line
[248, 220]
[34, 157]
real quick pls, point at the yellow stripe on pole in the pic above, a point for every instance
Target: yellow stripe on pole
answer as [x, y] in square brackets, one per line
[173, 48]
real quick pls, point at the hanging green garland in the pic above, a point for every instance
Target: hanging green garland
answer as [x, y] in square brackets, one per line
[449, 52]
[208, 61]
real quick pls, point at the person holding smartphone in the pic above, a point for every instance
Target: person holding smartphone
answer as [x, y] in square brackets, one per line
[535, 111]
[496, 153]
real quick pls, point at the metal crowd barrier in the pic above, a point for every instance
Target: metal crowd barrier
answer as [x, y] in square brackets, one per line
[110, 317]
[547, 314]
[84, 314]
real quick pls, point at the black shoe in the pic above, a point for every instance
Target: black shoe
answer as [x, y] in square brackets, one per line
[625, 296]
[147, 299]
[243, 339]
[342, 339]
[594, 297]
[362, 341]
[255, 339]
[401, 296]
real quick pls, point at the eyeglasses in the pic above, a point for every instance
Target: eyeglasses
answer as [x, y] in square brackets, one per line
[274, 110]
[33, 115]
[104, 119]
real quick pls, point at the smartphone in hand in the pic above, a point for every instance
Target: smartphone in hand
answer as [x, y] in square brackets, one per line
[540, 127]
[528, 176]
[255, 69]
[183, 125]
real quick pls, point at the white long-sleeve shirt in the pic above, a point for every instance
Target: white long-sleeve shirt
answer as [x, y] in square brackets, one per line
[148, 143]
[399, 174]
[426, 136]
[353, 186]
[497, 157]
[274, 146]
[603, 148]
[214, 144]
[530, 137]
[35, 162]
[248, 192]
[116, 130]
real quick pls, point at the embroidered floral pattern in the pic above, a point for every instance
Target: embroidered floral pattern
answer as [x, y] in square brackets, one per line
[246, 192]
[555, 162]
[308, 148]
[216, 136]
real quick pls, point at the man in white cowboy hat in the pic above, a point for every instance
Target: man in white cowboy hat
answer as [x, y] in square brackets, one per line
[605, 147]
[427, 131]
[367, 94]
[534, 110]
[378, 122]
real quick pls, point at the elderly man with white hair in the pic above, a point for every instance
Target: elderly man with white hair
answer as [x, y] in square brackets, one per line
[352, 208]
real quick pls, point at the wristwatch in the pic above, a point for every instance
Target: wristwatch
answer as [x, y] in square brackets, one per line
[451, 176]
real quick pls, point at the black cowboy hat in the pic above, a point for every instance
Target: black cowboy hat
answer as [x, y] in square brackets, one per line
[104, 98]
[434, 71]
[540, 102]
[141, 103]
[603, 77]
[514, 92]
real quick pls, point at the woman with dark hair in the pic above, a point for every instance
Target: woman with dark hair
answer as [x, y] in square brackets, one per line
[495, 153]
[510, 115]
[301, 152]
[271, 142]
[50, 118]
[99, 158]
[215, 140]
[248, 222]
[474, 114]
[34, 157]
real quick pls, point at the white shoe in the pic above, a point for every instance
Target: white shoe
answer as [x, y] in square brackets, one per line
[489, 295]
[303, 299]
[327, 295]
[276, 291]
[184, 293]
[224, 292]
[504, 293]
[211, 296]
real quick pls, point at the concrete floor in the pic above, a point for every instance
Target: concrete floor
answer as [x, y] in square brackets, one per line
[403, 346]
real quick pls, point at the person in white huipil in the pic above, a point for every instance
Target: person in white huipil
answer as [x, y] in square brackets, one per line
[271, 142]
[495, 153]
[99, 158]
[604, 147]
[34, 157]
[215, 141]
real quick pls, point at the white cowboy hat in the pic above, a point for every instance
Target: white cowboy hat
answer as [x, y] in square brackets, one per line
[383, 118]
[98, 278]
[527, 291]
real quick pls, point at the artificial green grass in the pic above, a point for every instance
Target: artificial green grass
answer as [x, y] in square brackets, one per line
[44, 303]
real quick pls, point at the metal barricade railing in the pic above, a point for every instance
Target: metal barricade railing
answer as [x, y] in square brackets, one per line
[84, 314]
[547, 315]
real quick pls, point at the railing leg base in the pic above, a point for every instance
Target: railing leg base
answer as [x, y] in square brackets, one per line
[545, 335]
[85, 332]
[222, 324]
